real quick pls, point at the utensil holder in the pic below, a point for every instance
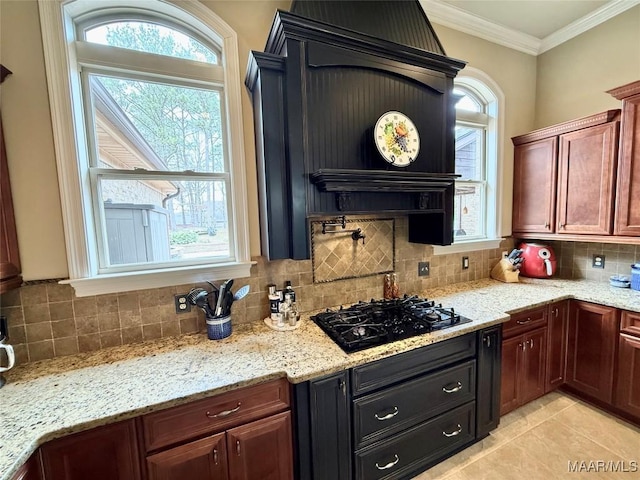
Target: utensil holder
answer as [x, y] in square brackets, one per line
[218, 327]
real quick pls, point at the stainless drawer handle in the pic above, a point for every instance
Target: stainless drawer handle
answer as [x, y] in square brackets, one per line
[454, 389]
[454, 433]
[388, 415]
[224, 413]
[523, 322]
[388, 465]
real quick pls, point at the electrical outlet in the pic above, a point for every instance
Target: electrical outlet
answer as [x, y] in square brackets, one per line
[598, 261]
[182, 304]
[465, 263]
[423, 269]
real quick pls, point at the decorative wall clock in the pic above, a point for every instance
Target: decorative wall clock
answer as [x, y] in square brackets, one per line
[397, 139]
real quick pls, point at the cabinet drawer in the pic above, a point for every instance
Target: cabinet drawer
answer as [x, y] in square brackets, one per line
[630, 323]
[419, 446]
[525, 321]
[381, 414]
[214, 414]
[390, 370]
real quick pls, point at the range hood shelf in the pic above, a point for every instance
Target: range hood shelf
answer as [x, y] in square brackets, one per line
[334, 180]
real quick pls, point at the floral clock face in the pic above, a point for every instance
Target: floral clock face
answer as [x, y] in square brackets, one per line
[397, 139]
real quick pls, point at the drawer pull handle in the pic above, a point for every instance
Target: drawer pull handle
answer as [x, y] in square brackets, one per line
[215, 456]
[224, 413]
[388, 465]
[388, 415]
[454, 389]
[523, 322]
[454, 433]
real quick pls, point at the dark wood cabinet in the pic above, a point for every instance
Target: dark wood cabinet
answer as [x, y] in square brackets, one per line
[31, 470]
[261, 450]
[591, 351]
[488, 384]
[524, 358]
[627, 396]
[204, 459]
[104, 453]
[534, 182]
[9, 256]
[586, 179]
[627, 218]
[557, 336]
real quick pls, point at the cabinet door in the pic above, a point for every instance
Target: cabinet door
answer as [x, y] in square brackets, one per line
[534, 186]
[532, 376]
[557, 331]
[104, 453]
[628, 375]
[261, 450]
[31, 470]
[204, 459]
[586, 177]
[511, 360]
[627, 221]
[488, 393]
[593, 334]
[9, 256]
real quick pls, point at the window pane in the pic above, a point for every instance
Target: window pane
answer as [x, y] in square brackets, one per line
[150, 38]
[468, 218]
[156, 126]
[157, 220]
[469, 152]
[467, 102]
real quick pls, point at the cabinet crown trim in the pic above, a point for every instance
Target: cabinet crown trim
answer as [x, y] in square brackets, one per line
[566, 127]
[624, 91]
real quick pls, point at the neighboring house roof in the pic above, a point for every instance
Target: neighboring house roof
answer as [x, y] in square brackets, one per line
[120, 143]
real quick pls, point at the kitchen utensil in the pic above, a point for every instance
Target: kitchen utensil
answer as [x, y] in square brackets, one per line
[212, 298]
[198, 297]
[241, 293]
[619, 281]
[539, 260]
[223, 290]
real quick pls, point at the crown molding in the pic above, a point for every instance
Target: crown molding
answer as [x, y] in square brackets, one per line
[463, 21]
[593, 19]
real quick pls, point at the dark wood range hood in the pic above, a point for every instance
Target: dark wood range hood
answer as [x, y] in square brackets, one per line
[330, 69]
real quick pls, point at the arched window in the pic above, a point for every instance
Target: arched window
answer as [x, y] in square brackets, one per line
[153, 152]
[478, 162]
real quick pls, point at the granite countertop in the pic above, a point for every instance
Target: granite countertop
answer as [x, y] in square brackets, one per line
[53, 398]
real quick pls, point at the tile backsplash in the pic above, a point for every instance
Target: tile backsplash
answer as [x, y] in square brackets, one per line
[47, 320]
[575, 259]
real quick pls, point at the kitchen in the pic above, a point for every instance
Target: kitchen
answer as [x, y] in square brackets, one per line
[540, 91]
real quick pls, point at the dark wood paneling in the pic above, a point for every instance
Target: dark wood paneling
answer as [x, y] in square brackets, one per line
[489, 378]
[593, 336]
[628, 377]
[31, 470]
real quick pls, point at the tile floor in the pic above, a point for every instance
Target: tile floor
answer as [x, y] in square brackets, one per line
[538, 440]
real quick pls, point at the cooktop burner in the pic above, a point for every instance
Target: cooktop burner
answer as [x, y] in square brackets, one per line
[367, 324]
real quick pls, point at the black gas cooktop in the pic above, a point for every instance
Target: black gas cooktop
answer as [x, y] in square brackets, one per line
[367, 324]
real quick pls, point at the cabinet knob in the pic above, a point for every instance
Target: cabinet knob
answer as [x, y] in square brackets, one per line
[238, 447]
[531, 343]
[487, 340]
[215, 456]
[547, 225]
[342, 385]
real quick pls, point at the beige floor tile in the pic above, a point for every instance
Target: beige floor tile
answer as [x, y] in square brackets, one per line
[539, 440]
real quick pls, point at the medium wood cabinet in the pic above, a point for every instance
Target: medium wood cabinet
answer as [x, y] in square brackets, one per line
[627, 218]
[591, 350]
[557, 336]
[104, 453]
[627, 397]
[31, 470]
[9, 256]
[564, 177]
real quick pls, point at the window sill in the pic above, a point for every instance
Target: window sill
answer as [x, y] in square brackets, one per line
[125, 282]
[470, 246]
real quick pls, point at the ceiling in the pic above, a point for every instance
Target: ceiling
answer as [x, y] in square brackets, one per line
[526, 25]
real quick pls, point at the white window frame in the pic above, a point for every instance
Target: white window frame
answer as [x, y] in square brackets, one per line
[61, 63]
[478, 81]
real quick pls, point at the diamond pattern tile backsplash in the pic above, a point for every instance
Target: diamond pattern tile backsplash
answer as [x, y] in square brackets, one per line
[336, 255]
